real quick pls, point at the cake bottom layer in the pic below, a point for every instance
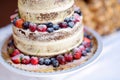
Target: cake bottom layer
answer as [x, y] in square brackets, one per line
[50, 68]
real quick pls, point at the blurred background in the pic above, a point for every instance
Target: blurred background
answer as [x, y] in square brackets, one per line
[101, 15]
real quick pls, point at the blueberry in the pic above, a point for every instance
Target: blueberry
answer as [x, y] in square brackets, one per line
[90, 36]
[47, 61]
[85, 34]
[50, 30]
[67, 20]
[91, 45]
[26, 25]
[49, 24]
[77, 10]
[88, 50]
[56, 27]
[72, 18]
[84, 53]
[71, 24]
[55, 63]
[41, 61]
[11, 43]
[52, 59]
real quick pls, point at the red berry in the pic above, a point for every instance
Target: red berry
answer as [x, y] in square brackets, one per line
[26, 60]
[63, 25]
[42, 28]
[16, 59]
[77, 55]
[13, 16]
[15, 52]
[82, 48]
[61, 59]
[77, 18]
[32, 27]
[76, 50]
[34, 60]
[68, 57]
[19, 23]
[87, 40]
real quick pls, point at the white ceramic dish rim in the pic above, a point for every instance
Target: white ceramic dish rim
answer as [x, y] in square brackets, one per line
[59, 73]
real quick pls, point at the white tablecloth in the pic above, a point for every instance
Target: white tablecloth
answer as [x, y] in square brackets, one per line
[106, 68]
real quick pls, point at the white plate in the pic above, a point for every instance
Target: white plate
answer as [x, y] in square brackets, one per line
[54, 74]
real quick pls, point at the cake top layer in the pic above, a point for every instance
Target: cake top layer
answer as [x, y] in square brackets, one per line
[45, 5]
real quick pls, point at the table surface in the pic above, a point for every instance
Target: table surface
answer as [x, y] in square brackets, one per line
[106, 68]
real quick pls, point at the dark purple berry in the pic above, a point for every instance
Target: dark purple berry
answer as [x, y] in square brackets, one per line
[77, 10]
[88, 50]
[55, 63]
[50, 29]
[41, 61]
[26, 25]
[47, 61]
[61, 59]
[49, 24]
[11, 43]
[84, 53]
[71, 24]
[56, 27]
[63, 25]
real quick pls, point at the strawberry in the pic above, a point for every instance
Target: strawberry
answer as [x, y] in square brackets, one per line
[15, 52]
[19, 23]
[34, 60]
[61, 59]
[77, 55]
[16, 59]
[26, 60]
[68, 57]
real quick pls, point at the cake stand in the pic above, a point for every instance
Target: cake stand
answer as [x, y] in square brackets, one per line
[60, 75]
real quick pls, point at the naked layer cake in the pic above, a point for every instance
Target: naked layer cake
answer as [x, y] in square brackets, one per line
[48, 36]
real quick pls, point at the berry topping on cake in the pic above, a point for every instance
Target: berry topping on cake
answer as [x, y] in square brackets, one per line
[49, 24]
[88, 50]
[32, 27]
[63, 25]
[26, 25]
[84, 53]
[77, 55]
[19, 23]
[68, 57]
[50, 29]
[55, 63]
[34, 60]
[71, 24]
[15, 52]
[61, 59]
[16, 59]
[47, 61]
[25, 60]
[12, 17]
[41, 28]
[41, 61]
[56, 27]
